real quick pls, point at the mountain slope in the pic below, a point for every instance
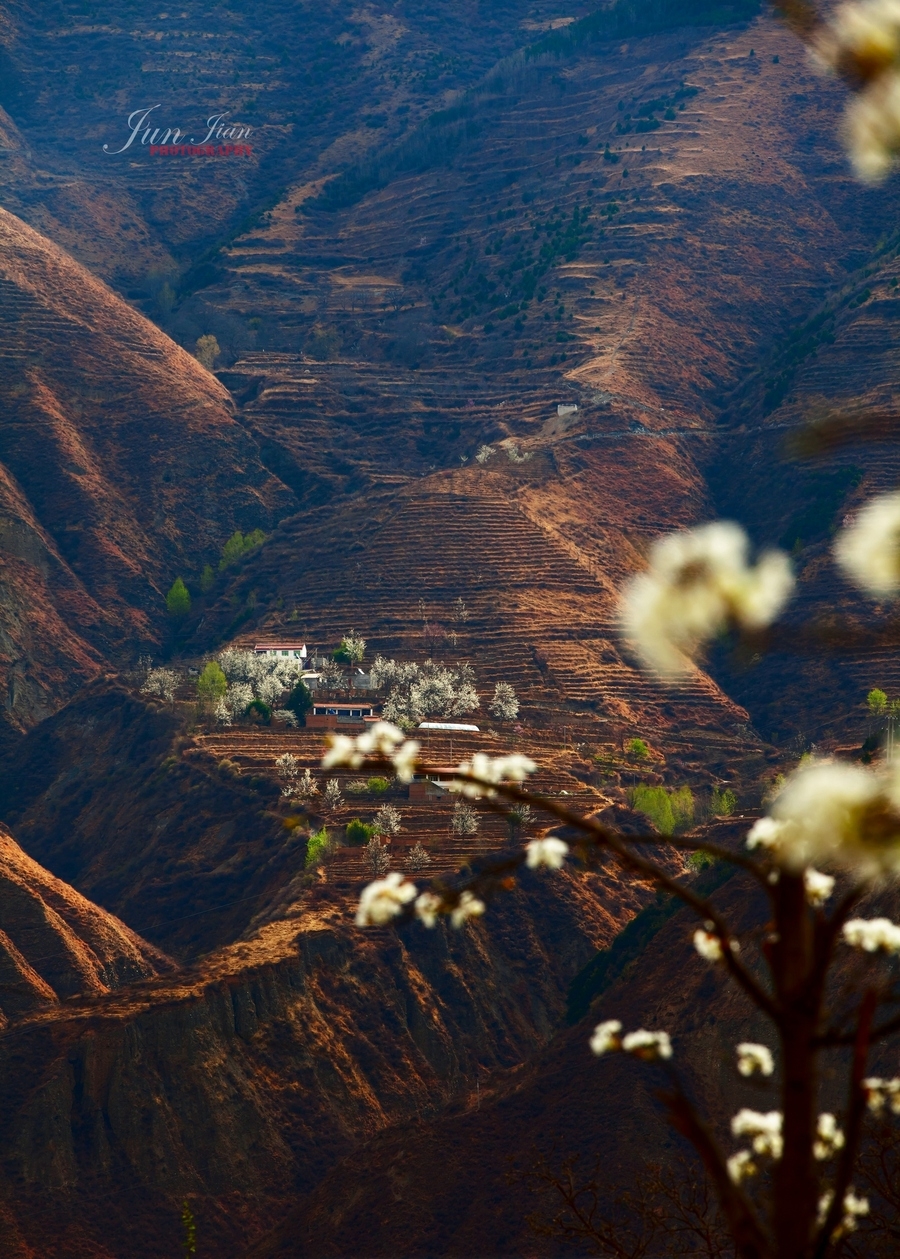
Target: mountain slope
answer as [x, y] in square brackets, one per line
[121, 466]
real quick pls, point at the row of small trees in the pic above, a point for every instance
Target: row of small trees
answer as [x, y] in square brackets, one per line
[178, 597]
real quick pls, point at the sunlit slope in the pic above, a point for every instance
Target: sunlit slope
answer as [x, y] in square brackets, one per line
[120, 464]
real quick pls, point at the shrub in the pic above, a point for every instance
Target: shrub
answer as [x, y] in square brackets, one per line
[207, 578]
[238, 545]
[655, 805]
[387, 820]
[877, 702]
[377, 857]
[207, 351]
[358, 787]
[358, 833]
[504, 706]
[351, 650]
[178, 601]
[682, 802]
[212, 683]
[333, 797]
[318, 847]
[258, 711]
[638, 749]
[378, 786]
[723, 802]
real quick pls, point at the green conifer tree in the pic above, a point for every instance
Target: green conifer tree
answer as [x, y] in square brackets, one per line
[178, 600]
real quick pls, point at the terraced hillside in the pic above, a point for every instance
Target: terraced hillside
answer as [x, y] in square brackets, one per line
[841, 361]
[319, 85]
[412, 318]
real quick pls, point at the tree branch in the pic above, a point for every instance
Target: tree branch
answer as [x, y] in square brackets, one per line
[749, 1239]
[856, 1106]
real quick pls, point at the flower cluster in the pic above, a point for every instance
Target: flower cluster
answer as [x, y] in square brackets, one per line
[833, 812]
[818, 887]
[650, 1046]
[383, 900]
[698, 584]
[764, 1129]
[381, 739]
[513, 768]
[873, 935]
[386, 899]
[854, 1207]
[879, 1092]
[709, 946]
[550, 852]
[752, 1058]
[868, 550]
[861, 42]
[829, 1138]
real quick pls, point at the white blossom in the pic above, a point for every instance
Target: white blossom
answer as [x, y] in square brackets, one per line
[387, 820]
[222, 713]
[854, 1207]
[864, 36]
[868, 550]
[469, 907]
[861, 41]
[740, 1166]
[648, 1045]
[550, 852]
[752, 1058]
[333, 797]
[829, 811]
[606, 1037]
[829, 1138]
[880, 1091]
[818, 887]
[287, 766]
[381, 737]
[342, 751]
[404, 760]
[383, 900]
[428, 908]
[161, 682]
[765, 1129]
[512, 768]
[765, 833]
[709, 946]
[464, 820]
[873, 934]
[504, 706]
[698, 583]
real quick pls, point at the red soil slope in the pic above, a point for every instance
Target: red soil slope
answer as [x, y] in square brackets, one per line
[55, 944]
[121, 466]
